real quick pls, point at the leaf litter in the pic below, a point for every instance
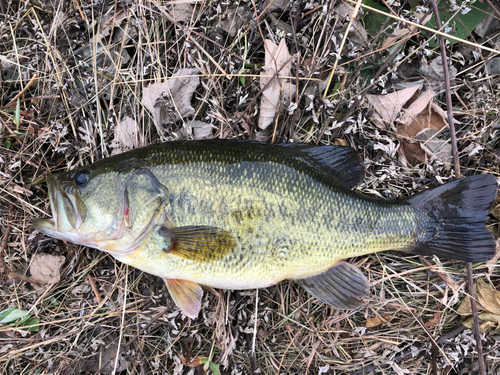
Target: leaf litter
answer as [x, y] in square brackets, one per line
[97, 64]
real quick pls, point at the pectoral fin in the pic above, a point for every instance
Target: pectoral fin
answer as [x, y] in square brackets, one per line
[186, 295]
[341, 286]
[198, 243]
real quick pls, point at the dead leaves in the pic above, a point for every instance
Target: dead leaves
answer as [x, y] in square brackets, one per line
[488, 301]
[372, 322]
[419, 128]
[125, 136]
[274, 82]
[170, 101]
[45, 268]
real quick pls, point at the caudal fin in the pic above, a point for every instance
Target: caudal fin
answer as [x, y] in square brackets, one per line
[457, 211]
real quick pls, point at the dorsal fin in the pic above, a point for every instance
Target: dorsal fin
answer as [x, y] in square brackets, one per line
[341, 161]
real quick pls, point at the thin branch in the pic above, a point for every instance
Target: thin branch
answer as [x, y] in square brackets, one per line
[456, 162]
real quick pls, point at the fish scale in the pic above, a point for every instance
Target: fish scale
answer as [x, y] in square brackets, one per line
[242, 214]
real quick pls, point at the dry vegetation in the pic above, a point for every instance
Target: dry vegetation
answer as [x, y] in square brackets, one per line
[80, 70]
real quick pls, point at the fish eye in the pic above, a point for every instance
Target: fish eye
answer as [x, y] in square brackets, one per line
[82, 178]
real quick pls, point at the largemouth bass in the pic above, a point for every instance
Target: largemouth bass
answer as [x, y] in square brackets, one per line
[242, 214]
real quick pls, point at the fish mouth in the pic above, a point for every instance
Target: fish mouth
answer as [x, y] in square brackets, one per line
[67, 208]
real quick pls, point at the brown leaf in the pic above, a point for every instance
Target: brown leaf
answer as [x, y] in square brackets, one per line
[125, 136]
[193, 362]
[434, 321]
[276, 57]
[488, 300]
[46, 267]
[376, 321]
[465, 307]
[171, 100]
[388, 107]
[489, 322]
[488, 297]
[418, 130]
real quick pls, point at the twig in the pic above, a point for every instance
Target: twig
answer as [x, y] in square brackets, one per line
[3, 266]
[443, 277]
[477, 331]
[20, 93]
[456, 162]
[341, 47]
[493, 7]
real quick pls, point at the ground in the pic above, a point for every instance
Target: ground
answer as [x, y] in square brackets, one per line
[76, 87]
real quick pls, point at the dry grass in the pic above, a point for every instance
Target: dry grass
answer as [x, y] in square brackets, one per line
[81, 67]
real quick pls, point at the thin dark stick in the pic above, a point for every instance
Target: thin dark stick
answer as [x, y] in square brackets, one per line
[456, 162]
[477, 330]
[493, 7]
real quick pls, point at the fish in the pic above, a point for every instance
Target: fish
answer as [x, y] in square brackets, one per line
[237, 214]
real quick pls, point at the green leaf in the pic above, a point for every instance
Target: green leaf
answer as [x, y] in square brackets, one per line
[11, 315]
[7, 144]
[374, 21]
[17, 115]
[30, 322]
[215, 368]
[462, 24]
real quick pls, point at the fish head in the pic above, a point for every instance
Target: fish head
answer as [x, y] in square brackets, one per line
[105, 209]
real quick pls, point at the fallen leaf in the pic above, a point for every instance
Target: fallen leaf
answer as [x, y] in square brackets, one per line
[435, 73]
[487, 296]
[46, 267]
[489, 322]
[170, 101]
[236, 18]
[125, 136]
[271, 5]
[434, 321]
[492, 263]
[202, 130]
[401, 32]
[388, 107]
[193, 362]
[488, 300]
[376, 321]
[276, 89]
[435, 147]
[103, 362]
[418, 142]
[357, 33]
[345, 10]
[182, 11]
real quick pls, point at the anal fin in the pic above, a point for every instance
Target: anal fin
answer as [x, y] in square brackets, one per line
[342, 286]
[186, 295]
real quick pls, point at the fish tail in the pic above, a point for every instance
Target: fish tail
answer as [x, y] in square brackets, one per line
[456, 213]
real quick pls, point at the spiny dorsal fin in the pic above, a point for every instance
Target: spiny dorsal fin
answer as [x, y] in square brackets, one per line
[341, 286]
[341, 161]
[198, 243]
[186, 295]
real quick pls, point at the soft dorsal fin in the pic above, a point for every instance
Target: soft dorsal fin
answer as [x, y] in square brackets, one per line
[186, 295]
[199, 243]
[341, 286]
[341, 161]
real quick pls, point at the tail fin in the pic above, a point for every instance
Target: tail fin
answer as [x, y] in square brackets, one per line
[457, 211]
